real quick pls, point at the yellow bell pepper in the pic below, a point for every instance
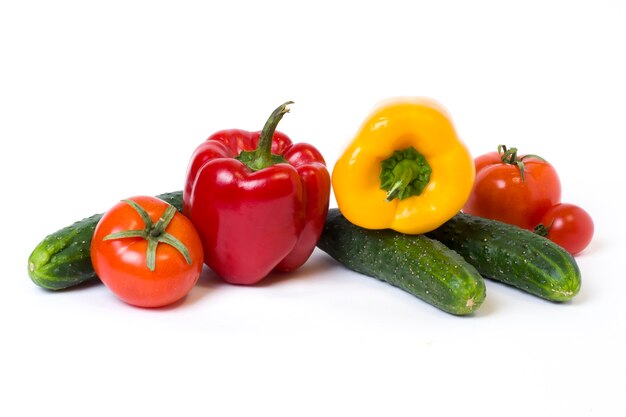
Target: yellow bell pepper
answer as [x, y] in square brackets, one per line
[406, 169]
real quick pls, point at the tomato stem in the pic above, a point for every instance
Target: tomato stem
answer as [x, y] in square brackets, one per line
[159, 228]
[154, 233]
[509, 156]
[542, 230]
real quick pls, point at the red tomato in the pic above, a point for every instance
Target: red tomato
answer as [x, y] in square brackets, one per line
[143, 274]
[569, 226]
[513, 189]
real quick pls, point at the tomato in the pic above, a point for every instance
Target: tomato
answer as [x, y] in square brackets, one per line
[513, 189]
[567, 225]
[146, 252]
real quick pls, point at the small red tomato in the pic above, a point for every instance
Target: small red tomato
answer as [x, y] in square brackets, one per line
[146, 252]
[513, 189]
[567, 225]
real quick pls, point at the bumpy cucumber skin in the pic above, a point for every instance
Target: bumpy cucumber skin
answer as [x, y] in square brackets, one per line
[414, 263]
[63, 259]
[512, 255]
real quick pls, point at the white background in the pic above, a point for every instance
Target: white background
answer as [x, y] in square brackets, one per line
[101, 101]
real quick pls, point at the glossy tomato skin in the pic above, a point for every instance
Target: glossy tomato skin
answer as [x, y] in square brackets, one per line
[121, 263]
[490, 158]
[499, 193]
[569, 226]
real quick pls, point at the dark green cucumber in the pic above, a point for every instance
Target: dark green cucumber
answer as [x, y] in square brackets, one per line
[414, 263]
[512, 255]
[63, 260]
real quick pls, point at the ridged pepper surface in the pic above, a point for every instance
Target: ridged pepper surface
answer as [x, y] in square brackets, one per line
[258, 201]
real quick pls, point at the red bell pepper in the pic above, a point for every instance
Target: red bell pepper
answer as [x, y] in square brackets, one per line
[258, 201]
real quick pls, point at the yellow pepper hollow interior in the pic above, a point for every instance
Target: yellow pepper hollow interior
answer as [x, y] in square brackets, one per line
[406, 169]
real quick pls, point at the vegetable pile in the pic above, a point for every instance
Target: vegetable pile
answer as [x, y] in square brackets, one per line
[255, 202]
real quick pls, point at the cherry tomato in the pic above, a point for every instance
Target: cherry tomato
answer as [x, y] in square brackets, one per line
[513, 189]
[146, 252]
[567, 225]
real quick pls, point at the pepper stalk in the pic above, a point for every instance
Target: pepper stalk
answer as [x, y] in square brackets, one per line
[262, 156]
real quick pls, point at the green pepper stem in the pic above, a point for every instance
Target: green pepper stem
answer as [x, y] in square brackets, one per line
[264, 147]
[404, 174]
[262, 156]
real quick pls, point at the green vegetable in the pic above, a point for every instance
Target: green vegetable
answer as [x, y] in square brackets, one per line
[414, 263]
[63, 260]
[512, 255]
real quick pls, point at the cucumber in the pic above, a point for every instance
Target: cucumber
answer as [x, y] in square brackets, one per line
[63, 259]
[416, 264]
[512, 255]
